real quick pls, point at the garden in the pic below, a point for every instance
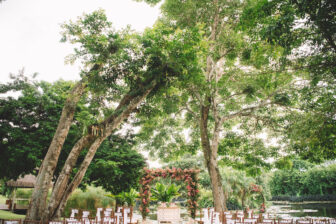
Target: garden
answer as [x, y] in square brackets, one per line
[234, 100]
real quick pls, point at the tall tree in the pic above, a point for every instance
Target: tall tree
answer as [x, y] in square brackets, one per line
[116, 166]
[28, 121]
[120, 67]
[239, 84]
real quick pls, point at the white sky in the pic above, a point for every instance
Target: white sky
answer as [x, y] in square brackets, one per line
[30, 32]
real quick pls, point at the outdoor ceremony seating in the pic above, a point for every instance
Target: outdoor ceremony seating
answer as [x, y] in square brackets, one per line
[123, 215]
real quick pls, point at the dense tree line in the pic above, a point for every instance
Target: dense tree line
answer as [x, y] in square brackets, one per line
[317, 180]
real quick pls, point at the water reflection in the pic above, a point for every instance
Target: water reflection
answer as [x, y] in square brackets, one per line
[304, 209]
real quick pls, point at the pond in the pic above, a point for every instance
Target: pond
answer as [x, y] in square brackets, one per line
[304, 209]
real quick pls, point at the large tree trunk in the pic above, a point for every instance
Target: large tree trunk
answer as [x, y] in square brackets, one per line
[44, 179]
[64, 176]
[63, 189]
[210, 157]
[216, 185]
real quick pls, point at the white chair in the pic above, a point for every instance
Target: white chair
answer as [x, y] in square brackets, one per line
[250, 221]
[73, 213]
[228, 216]
[126, 215]
[206, 219]
[98, 215]
[118, 217]
[72, 219]
[85, 217]
[215, 218]
[108, 216]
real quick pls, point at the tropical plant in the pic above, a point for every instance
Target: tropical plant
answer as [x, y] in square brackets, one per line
[126, 198]
[205, 200]
[165, 193]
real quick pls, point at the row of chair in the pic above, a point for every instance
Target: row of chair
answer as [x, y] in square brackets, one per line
[210, 216]
[123, 215]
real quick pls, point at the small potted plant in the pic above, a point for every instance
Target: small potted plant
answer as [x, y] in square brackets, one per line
[126, 199]
[167, 211]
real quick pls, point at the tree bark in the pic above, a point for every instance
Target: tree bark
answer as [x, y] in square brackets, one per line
[44, 178]
[63, 189]
[210, 157]
[64, 176]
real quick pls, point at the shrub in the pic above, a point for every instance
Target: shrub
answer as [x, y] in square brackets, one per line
[233, 204]
[90, 200]
[205, 200]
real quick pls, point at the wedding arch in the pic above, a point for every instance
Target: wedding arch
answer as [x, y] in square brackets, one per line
[189, 176]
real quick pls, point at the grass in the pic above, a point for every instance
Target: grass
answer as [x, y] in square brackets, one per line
[7, 214]
[10, 215]
[2, 199]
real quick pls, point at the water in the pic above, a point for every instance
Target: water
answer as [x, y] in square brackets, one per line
[304, 209]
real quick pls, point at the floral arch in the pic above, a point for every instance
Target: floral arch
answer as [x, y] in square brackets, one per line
[189, 176]
[258, 190]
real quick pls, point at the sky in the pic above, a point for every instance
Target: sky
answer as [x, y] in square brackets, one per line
[30, 33]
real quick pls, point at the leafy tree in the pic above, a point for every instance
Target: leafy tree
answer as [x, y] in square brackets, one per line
[306, 30]
[118, 67]
[28, 121]
[116, 167]
[244, 153]
[26, 134]
[303, 179]
[240, 86]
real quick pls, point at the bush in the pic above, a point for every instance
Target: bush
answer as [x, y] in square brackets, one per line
[205, 200]
[318, 180]
[90, 200]
[233, 204]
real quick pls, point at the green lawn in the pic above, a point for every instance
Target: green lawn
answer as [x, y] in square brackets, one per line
[10, 215]
[7, 214]
[2, 199]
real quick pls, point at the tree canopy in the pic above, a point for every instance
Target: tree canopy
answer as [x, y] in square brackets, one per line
[306, 30]
[26, 134]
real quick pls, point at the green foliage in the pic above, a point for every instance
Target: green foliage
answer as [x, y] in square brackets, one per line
[187, 161]
[233, 204]
[311, 131]
[91, 199]
[317, 180]
[205, 200]
[126, 198]
[9, 215]
[116, 166]
[306, 31]
[243, 74]
[244, 153]
[28, 122]
[165, 193]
